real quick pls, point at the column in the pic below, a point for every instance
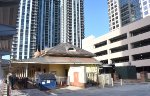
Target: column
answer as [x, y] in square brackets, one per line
[21, 72]
[109, 52]
[26, 70]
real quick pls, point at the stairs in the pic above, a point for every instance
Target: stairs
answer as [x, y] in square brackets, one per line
[4, 90]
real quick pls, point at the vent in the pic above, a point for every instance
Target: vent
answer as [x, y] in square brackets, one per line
[71, 49]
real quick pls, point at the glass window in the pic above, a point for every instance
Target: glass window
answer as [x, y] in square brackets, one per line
[116, 13]
[113, 27]
[145, 2]
[117, 21]
[117, 25]
[146, 12]
[145, 7]
[113, 19]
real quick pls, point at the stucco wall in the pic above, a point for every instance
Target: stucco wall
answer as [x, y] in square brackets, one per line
[91, 68]
[59, 69]
[82, 73]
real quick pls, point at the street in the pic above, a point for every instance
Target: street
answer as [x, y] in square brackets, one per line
[125, 90]
[142, 89]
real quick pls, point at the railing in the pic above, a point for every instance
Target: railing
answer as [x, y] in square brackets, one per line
[61, 80]
[92, 78]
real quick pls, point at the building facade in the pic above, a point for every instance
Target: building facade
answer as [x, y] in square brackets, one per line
[114, 14]
[8, 15]
[128, 46]
[24, 42]
[72, 22]
[122, 12]
[63, 60]
[145, 7]
[46, 23]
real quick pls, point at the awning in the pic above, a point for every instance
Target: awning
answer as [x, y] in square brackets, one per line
[6, 30]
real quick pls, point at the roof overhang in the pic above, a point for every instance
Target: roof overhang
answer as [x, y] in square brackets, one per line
[58, 60]
[4, 3]
[4, 52]
[63, 63]
[6, 30]
[4, 63]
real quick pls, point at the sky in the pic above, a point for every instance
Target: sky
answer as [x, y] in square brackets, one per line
[96, 17]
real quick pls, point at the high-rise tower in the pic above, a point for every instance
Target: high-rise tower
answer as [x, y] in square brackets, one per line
[46, 23]
[24, 42]
[122, 12]
[145, 7]
[72, 21]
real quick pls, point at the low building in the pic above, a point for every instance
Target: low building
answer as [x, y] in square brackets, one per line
[8, 15]
[129, 45]
[6, 35]
[64, 60]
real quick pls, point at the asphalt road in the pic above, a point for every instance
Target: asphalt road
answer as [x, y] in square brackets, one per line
[117, 90]
[125, 90]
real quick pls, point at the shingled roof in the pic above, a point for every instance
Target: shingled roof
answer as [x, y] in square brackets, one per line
[61, 60]
[63, 53]
[66, 49]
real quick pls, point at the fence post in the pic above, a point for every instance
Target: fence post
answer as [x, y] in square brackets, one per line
[68, 80]
[112, 81]
[121, 82]
[103, 80]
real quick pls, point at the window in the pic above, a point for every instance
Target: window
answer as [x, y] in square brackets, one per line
[120, 59]
[119, 49]
[101, 53]
[113, 15]
[118, 38]
[146, 12]
[117, 25]
[104, 61]
[113, 19]
[140, 31]
[113, 23]
[140, 43]
[141, 56]
[117, 21]
[145, 7]
[116, 13]
[113, 27]
[145, 2]
[103, 43]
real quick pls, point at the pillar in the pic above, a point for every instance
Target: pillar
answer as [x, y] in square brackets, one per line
[26, 70]
[21, 72]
